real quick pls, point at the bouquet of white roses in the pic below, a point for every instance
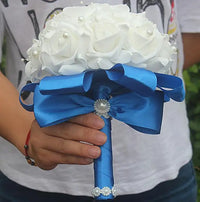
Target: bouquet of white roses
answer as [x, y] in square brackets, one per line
[97, 37]
[101, 58]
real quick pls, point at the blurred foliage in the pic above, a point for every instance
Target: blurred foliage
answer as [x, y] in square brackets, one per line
[3, 62]
[192, 82]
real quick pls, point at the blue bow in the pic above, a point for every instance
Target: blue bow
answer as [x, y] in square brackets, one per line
[69, 95]
[136, 97]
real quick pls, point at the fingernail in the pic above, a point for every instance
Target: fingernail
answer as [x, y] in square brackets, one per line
[101, 138]
[99, 123]
[94, 152]
[88, 160]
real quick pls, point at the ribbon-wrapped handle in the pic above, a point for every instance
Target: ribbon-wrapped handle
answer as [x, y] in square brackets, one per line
[103, 169]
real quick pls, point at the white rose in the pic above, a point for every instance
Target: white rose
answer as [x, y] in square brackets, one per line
[163, 61]
[77, 14]
[107, 37]
[115, 14]
[144, 41]
[33, 67]
[62, 48]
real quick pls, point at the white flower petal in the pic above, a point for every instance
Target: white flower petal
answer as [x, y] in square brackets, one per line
[71, 69]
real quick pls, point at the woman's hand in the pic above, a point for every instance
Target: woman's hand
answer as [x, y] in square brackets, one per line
[74, 142]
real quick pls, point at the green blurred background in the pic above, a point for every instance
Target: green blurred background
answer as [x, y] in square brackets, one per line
[192, 82]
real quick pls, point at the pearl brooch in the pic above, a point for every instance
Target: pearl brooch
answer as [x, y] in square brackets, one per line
[102, 107]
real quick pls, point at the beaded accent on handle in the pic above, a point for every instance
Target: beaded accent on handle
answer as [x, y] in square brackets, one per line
[106, 191]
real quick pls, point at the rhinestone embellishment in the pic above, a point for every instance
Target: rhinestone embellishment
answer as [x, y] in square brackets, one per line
[106, 191]
[114, 191]
[102, 107]
[96, 192]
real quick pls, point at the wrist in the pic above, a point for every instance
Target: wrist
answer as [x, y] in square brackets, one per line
[19, 133]
[26, 146]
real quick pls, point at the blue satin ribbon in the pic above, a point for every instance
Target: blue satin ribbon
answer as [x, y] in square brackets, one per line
[132, 93]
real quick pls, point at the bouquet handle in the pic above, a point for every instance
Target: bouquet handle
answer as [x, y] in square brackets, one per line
[103, 166]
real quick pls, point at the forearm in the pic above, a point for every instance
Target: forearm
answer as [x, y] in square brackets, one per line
[14, 121]
[191, 45]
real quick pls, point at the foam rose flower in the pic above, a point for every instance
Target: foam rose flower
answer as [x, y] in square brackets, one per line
[33, 68]
[149, 48]
[63, 47]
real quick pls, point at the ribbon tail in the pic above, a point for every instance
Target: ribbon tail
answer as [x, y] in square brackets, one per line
[27, 88]
[172, 87]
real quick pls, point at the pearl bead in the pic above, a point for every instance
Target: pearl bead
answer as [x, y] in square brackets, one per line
[80, 18]
[65, 35]
[149, 32]
[96, 191]
[106, 191]
[114, 191]
[35, 52]
[174, 48]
